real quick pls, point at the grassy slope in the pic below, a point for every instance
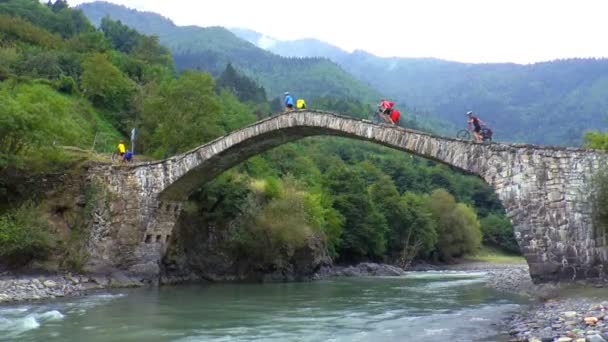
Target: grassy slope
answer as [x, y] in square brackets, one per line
[495, 255]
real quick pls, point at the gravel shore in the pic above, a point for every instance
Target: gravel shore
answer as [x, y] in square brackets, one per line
[563, 313]
[22, 288]
[512, 277]
[563, 320]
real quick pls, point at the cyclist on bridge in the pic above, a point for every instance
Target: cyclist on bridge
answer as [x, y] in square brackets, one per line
[288, 101]
[476, 123]
[388, 112]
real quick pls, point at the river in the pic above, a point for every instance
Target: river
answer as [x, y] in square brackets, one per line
[422, 306]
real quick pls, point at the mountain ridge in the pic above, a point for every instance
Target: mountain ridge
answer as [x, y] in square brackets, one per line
[212, 48]
[544, 102]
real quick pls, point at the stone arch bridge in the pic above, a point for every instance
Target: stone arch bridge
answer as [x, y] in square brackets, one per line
[545, 191]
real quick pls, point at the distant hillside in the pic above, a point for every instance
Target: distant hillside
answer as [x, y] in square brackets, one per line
[212, 48]
[549, 103]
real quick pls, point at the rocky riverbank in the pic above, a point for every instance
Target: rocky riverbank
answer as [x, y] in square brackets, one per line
[513, 278]
[364, 269]
[508, 277]
[39, 287]
[564, 313]
[563, 320]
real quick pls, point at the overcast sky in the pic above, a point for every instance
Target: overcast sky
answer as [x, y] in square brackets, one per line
[521, 31]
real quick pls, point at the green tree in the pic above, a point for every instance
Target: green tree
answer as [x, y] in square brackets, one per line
[180, 114]
[280, 226]
[458, 229]
[320, 213]
[364, 226]
[107, 87]
[90, 41]
[244, 88]
[411, 230]
[416, 235]
[122, 37]
[149, 50]
[235, 114]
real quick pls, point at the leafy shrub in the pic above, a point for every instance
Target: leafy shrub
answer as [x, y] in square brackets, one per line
[272, 188]
[498, 231]
[21, 29]
[24, 236]
[106, 86]
[67, 85]
[275, 230]
[458, 229]
[596, 140]
[599, 202]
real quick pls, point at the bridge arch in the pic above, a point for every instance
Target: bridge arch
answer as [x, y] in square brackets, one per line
[543, 189]
[185, 173]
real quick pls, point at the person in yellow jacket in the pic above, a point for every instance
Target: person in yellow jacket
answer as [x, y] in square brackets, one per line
[301, 104]
[122, 149]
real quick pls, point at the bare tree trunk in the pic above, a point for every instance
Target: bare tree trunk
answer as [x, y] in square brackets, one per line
[409, 250]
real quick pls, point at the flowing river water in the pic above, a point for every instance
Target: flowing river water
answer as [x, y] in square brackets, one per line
[422, 306]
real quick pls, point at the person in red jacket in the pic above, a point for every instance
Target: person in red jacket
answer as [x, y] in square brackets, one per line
[385, 109]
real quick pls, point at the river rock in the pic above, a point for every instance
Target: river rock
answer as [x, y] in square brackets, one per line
[569, 314]
[101, 281]
[119, 279]
[74, 280]
[595, 338]
[365, 269]
[49, 283]
[37, 284]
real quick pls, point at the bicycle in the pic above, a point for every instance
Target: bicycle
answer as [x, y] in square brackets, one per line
[465, 134]
[115, 157]
[377, 119]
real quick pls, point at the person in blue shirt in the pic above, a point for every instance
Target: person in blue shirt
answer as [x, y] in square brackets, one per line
[288, 101]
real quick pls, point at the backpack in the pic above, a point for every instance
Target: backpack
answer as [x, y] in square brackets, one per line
[288, 100]
[395, 114]
[301, 104]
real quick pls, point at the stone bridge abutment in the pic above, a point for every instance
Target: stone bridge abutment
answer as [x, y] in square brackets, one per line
[545, 191]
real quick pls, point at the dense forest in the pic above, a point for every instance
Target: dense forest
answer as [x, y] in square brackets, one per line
[64, 84]
[547, 103]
